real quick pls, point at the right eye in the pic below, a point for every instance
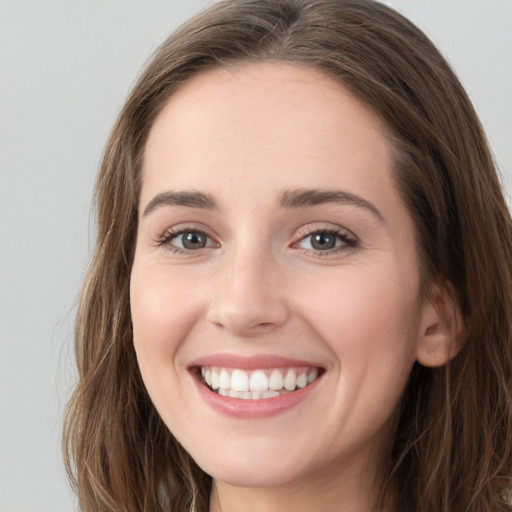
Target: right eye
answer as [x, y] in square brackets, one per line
[186, 240]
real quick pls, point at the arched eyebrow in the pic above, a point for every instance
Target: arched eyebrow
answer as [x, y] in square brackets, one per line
[289, 199]
[301, 198]
[191, 199]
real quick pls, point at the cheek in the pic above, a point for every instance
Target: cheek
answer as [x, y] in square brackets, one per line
[372, 333]
[370, 321]
[162, 312]
[359, 302]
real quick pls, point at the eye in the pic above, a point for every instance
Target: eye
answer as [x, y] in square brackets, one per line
[327, 241]
[322, 241]
[191, 240]
[186, 240]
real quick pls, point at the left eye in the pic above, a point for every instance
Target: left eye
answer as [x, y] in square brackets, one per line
[325, 241]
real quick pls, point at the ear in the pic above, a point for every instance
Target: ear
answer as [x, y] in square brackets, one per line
[440, 337]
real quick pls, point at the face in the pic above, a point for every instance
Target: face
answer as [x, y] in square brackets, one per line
[275, 291]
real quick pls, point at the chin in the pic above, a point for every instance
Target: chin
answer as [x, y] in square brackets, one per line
[247, 474]
[261, 466]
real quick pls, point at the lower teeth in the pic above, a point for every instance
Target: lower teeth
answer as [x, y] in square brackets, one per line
[250, 395]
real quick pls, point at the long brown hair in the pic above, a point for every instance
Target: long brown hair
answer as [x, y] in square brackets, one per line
[452, 448]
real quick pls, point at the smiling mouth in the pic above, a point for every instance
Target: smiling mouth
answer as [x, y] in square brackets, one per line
[257, 384]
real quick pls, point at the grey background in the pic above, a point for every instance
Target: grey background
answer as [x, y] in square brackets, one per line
[65, 68]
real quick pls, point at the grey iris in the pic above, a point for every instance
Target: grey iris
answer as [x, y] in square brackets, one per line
[193, 240]
[323, 241]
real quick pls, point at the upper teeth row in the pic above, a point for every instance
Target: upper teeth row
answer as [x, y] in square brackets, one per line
[258, 380]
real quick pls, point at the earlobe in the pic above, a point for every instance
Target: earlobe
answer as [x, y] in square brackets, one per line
[440, 331]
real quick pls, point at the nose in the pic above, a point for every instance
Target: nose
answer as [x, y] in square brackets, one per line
[248, 298]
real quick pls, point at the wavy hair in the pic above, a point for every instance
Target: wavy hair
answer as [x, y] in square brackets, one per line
[452, 447]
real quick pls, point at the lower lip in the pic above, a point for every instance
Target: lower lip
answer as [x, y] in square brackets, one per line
[249, 409]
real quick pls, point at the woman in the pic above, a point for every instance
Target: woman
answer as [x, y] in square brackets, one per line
[300, 296]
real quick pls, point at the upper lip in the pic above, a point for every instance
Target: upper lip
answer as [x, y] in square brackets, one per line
[253, 362]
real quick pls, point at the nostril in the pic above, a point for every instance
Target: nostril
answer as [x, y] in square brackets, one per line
[247, 321]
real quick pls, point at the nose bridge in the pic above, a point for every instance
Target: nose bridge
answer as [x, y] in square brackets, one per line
[246, 298]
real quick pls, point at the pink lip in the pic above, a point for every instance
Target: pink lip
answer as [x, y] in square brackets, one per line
[256, 362]
[251, 409]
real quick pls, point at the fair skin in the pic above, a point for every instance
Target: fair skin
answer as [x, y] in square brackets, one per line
[237, 270]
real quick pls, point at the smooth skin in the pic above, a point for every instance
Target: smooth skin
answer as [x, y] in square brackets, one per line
[243, 271]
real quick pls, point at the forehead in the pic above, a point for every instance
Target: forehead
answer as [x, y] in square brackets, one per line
[265, 121]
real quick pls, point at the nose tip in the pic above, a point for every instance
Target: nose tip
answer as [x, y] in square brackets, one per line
[248, 302]
[246, 321]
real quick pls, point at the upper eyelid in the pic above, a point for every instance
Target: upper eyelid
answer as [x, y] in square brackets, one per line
[319, 227]
[189, 226]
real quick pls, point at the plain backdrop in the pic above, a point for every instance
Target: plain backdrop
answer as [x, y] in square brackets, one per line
[65, 68]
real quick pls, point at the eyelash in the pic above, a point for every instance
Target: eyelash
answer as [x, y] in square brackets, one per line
[171, 234]
[348, 241]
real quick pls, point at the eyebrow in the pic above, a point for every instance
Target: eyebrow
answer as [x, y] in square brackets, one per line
[191, 199]
[312, 197]
[289, 199]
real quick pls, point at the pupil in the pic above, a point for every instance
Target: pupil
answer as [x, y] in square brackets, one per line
[193, 240]
[323, 241]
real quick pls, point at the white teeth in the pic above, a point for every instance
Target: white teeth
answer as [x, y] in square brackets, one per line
[290, 381]
[258, 381]
[248, 395]
[275, 381]
[215, 379]
[256, 384]
[239, 381]
[302, 380]
[224, 379]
